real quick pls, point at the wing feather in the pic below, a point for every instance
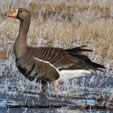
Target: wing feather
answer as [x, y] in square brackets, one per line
[66, 58]
[56, 56]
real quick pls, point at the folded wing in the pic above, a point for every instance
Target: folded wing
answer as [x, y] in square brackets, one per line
[66, 58]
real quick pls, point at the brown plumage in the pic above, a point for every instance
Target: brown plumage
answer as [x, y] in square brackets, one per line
[44, 63]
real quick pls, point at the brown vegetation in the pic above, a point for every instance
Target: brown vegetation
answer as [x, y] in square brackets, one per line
[70, 23]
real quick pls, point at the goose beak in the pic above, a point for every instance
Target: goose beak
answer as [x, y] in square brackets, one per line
[14, 14]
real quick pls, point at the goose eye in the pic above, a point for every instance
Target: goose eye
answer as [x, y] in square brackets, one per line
[20, 11]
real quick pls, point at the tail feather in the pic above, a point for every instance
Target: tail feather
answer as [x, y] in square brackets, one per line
[96, 65]
[92, 65]
[79, 49]
[85, 62]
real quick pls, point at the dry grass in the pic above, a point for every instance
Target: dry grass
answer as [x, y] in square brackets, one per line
[64, 24]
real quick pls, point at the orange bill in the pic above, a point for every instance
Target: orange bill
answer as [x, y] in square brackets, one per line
[13, 15]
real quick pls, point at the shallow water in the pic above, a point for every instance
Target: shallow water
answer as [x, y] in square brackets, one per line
[85, 94]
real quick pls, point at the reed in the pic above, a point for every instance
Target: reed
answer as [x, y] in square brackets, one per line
[62, 23]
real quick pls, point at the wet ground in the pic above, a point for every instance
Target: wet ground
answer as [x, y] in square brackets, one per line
[86, 94]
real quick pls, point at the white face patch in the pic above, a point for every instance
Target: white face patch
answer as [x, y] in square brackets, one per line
[16, 12]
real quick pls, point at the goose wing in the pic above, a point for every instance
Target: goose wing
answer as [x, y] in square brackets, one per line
[65, 58]
[56, 56]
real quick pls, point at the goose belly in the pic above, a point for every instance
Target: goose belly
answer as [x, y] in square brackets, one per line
[32, 69]
[28, 68]
[27, 71]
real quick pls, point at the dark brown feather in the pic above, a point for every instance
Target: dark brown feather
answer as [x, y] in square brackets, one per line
[64, 59]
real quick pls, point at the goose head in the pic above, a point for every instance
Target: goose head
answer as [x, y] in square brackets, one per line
[21, 14]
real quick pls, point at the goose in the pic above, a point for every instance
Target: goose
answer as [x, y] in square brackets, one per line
[48, 64]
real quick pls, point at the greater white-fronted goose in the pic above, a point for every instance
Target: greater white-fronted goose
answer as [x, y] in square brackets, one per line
[48, 64]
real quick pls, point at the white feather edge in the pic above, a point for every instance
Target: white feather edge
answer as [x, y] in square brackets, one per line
[67, 74]
[16, 12]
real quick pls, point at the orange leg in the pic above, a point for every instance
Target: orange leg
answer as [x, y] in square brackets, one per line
[56, 85]
[44, 90]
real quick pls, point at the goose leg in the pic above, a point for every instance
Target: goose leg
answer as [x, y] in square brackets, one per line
[56, 85]
[43, 92]
[44, 86]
